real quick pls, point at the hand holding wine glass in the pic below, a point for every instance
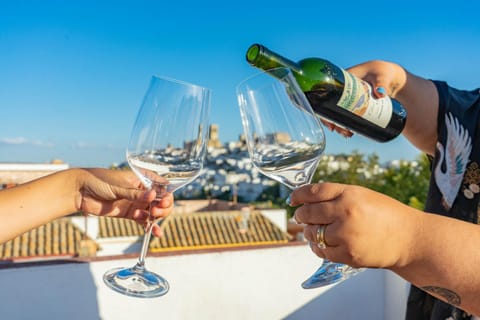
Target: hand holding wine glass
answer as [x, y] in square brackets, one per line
[285, 141]
[166, 151]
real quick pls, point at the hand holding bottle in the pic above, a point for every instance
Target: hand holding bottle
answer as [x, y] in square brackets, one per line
[417, 95]
[344, 101]
[385, 79]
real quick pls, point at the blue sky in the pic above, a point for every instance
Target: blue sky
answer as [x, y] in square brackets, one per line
[73, 73]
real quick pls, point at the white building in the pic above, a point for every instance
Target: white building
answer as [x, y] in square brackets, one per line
[17, 173]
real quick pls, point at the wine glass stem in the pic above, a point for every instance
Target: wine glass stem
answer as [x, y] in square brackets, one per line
[146, 239]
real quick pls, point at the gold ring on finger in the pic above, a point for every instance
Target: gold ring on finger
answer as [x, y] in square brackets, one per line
[321, 236]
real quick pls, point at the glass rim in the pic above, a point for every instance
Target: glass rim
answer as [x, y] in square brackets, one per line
[262, 71]
[182, 82]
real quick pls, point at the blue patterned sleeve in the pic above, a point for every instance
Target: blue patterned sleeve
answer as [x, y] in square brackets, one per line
[463, 104]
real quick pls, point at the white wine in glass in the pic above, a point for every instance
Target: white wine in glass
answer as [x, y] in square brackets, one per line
[166, 151]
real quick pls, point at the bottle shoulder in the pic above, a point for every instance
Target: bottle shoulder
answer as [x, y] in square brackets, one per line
[315, 72]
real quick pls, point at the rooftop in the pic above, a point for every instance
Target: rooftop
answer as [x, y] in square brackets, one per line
[252, 282]
[181, 231]
[59, 238]
[217, 229]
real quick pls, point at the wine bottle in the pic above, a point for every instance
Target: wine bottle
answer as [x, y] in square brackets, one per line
[337, 95]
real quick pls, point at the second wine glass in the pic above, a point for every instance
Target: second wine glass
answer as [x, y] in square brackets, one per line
[166, 151]
[285, 141]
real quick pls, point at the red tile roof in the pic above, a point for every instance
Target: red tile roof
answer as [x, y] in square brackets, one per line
[57, 238]
[186, 231]
[216, 230]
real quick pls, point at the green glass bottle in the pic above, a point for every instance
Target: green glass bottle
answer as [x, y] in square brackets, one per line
[337, 95]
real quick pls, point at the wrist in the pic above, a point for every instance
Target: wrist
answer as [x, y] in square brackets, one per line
[410, 242]
[399, 82]
[77, 176]
[65, 187]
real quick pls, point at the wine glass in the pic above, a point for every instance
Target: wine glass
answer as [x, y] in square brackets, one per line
[166, 151]
[285, 142]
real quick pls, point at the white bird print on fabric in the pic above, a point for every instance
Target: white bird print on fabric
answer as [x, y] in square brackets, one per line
[457, 151]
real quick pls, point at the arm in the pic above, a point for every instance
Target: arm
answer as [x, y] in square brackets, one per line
[435, 253]
[95, 191]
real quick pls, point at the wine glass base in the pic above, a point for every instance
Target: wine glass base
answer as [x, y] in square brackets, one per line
[136, 282]
[329, 273]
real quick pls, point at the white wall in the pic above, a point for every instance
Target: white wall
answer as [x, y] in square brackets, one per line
[108, 246]
[396, 293]
[243, 284]
[277, 216]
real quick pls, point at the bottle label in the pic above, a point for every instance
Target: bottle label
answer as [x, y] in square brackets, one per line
[357, 98]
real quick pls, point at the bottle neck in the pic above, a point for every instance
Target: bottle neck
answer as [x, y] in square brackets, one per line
[263, 58]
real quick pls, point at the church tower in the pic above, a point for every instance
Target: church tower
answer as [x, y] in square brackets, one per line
[213, 140]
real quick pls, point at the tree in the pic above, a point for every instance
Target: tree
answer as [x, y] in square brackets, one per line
[349, 169]
[406, 181]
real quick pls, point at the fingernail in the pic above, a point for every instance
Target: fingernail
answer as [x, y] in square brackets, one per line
[381, 91]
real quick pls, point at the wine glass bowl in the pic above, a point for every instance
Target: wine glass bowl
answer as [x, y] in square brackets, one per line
[285, 141]
[284, 138]
[166, 151]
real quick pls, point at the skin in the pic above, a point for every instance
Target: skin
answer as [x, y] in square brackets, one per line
[433, 252]
[99, 192]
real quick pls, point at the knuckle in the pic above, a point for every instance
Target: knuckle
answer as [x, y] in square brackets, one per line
[314, 189]
[300, 214]
[353, 257]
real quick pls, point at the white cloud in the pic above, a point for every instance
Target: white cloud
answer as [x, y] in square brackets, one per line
[24, 141]
[89, 145]
[82, 145]
[18, 140]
